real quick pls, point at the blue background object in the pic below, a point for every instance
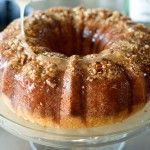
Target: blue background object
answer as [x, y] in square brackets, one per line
[8, 12]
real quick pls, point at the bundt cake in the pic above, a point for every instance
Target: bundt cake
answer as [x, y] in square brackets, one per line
[87, 68]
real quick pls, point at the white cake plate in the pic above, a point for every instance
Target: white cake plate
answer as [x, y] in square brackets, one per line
[108, 136]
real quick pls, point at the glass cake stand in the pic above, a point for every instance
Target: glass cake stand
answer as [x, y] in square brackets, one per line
[104, 138]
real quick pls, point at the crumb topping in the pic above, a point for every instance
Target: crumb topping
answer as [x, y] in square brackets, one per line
[104, 69]
[125, 40]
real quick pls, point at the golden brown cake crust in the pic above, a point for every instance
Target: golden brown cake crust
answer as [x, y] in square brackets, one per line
[87, 68]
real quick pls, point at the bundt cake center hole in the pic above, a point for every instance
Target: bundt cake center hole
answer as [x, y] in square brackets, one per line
[70, 41]
[70, 45]
[67, 39]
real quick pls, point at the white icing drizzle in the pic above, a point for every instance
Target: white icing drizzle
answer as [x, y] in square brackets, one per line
[30, 87]
[22, 38]
[22, 5]
[18, 77]
[3, 65]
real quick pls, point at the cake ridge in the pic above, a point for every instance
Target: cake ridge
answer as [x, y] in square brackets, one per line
[73, 77]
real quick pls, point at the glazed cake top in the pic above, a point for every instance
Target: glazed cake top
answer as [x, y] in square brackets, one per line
[85, 35]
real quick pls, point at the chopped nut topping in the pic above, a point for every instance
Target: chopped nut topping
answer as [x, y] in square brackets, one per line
[52, 85]
[147, 46]
[125, 41]
[41, 104]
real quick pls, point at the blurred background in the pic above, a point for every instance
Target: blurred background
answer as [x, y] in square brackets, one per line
[138, 10]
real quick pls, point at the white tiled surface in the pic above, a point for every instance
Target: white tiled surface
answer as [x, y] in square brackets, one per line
[10, 142]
